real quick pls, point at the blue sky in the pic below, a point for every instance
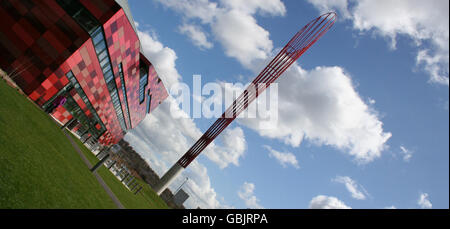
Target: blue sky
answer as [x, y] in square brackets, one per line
[364, 112]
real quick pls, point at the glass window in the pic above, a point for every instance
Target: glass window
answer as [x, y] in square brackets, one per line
[80, 14]
[124, 91]
[142, 84]
[149, 99]
[102, 55]
[97, 38]
[111, 88]
[108, 76]
[100, 47]
[86, 20]
[104, 62]
[78, 113]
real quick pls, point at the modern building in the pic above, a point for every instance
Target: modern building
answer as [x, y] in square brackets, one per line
[82, 62]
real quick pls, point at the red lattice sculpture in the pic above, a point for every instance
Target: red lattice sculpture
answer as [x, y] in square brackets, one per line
[298, 45]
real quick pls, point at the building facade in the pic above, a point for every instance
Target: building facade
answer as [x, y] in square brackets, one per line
[180, 197]
[82, 62]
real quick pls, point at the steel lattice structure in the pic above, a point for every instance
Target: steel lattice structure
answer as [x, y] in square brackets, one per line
[298, 45]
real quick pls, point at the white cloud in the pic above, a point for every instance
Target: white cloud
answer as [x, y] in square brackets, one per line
[327, 202]
[406, 153]
[425, 22]
[234, 147]
[241, 37]
[390, 207]
[246, 194]
[435, 64]
[352, 186]
[322, 106]
[325, 6]
[283, 158]
[271, 7]
[424, 202]
[197, 35]
[233, 24]
[204, 10]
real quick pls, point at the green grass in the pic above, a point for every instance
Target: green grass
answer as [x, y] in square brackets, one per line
[146, 198]
[39, 168]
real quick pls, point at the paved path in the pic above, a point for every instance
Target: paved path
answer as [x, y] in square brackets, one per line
[99, 179]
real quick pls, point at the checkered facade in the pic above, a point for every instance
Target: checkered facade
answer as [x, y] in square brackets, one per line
[40, 43]
[123, 46]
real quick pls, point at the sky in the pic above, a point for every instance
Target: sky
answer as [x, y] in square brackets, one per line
[363, 115]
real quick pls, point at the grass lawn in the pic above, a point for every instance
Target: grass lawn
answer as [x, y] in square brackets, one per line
[146, 198]
[39, 168]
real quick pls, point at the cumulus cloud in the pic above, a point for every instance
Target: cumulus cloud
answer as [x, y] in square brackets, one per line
[246, 194]
[424, 202]
[233, 24]
[327, 202]
[241, 37]
[352, 186]
[284, 159]
[234, 147]
[322, 106]
[425, 22]
[197, 35]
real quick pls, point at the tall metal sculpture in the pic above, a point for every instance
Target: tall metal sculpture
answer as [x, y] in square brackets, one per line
[298, 45]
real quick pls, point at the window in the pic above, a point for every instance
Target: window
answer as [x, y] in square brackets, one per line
[149, 101]
[98, 39]
[142, 84]
[124, 91]
[97, 132]
[80, 14]
[143, 80]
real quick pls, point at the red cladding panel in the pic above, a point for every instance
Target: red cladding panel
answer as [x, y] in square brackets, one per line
[62, 114]
[123, 47]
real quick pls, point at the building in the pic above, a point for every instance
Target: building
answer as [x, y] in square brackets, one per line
[180, 197]
[82, 62]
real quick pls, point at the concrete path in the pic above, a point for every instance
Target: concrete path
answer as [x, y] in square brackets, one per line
[99, 179]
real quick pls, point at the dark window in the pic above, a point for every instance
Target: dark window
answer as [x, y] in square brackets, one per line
[142, 84]
[80, 14]
[143, 80]
[80, 114]
[149, 101]
[124, 91]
